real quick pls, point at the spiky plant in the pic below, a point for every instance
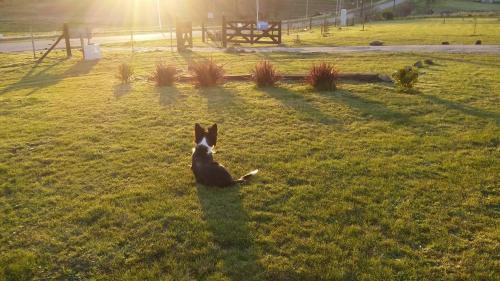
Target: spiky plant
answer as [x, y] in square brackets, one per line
[207, 73]
[265, 74]
[323, 77]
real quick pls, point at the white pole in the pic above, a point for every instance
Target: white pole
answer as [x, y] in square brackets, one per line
[159, 13]
[257, 3]
[371, 9]
[33, 41]
[307, 9]
[171, 34]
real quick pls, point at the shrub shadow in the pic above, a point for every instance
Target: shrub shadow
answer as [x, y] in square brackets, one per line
[191, 57]
[465, 109]
[460, 61]
[38, 80]
[168, 95]
[227, 220]
[121, 90]
[223, 101]
[370, 108]
[305, 110]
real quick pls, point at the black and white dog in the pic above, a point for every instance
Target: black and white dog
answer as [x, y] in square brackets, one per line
[205, 169]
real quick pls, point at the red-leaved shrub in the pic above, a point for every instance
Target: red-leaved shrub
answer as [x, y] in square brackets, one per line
[265, 74]
[207, 73]
[164, 75]
[323, 77]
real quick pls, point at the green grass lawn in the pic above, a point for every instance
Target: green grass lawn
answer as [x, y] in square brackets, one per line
[365, 183]
[421, 31]
[405, 32]
[456, 6]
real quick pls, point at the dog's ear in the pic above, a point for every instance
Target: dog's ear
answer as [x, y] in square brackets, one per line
[199, 133]
[213, 129]
[212, 134]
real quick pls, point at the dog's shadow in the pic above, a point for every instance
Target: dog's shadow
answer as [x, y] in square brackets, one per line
[227, 220]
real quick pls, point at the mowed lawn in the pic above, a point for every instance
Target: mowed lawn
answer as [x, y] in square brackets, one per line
[365, 183]
[422, 31]
[404, 32]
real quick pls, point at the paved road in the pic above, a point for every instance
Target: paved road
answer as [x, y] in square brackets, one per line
[460, 49]
[42, 44]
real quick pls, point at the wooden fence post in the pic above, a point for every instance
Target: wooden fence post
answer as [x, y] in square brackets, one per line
[82, 45]
[50, 49]
[66, 39]
[190, 34]
[203, 32]
[279, 33]
[252, 39]
[224, 41]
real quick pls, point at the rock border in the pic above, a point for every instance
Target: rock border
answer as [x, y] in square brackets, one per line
[345, 76]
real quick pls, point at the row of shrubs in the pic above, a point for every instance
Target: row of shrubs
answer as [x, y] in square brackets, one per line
[321, 76]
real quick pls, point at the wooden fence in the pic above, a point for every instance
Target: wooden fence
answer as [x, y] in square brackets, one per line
[184, 34]
[247, 32]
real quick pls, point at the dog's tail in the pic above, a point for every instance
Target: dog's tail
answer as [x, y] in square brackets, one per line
[246, 177]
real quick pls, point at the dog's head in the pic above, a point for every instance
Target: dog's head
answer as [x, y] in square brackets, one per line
[204, 137]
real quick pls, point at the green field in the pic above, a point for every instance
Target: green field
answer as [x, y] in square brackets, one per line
[405, 32]
[365, 183]
[439, 6]
[430, 31]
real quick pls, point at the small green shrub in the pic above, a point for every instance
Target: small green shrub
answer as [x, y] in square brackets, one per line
[405, 78]
[265, 74]
[125, 73]
[323, 77]
[388, 15]
[207, 73]
[164, 75]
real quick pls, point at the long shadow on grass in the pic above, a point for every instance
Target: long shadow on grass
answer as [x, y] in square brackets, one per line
[228, 221]
[469, 110]
[223, 102]
[41, 79]
[192, 57]
[371, 109]
[30, 77]
[121, 90]
[168, 95]
[305, 110]
[479, 63]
